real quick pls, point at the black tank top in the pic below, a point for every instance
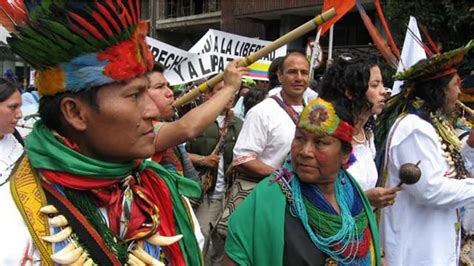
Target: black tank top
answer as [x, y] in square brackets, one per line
[299, 249]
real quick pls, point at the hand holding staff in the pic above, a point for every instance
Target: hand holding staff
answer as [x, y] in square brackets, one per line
[290, 36]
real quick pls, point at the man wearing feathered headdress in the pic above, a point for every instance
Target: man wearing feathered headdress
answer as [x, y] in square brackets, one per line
[423, 226]
[82, 188]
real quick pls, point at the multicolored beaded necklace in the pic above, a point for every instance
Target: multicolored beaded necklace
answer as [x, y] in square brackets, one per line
[346, 236]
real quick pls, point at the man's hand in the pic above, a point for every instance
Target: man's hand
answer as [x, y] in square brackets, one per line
[210, 161]
[233, 74]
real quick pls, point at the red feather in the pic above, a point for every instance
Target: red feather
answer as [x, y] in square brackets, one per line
[341, 6]
[12, 13]
[86, 25]
[108, 16]
[79, 30]
[137, 8]
[132, 10]
[387, 30]
[432, 43]
[120, 16]
[102, 22]
[125, 12]
[379, 41]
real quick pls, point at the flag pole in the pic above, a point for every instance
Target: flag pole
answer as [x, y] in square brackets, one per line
[331, 37]
[313, 54]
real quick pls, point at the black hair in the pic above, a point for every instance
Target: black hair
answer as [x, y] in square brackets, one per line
[352, 75]
[249, 86]
[431, 91]
[290, 53]
[272, 72]
[50, 107]
[7, 89]
[158, 67]
[331, 86]
[252, 98]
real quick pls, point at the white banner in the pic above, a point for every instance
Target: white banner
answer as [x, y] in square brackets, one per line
[234, 45]
[209, 56]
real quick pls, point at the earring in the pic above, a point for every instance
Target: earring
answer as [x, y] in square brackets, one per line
[343, 181]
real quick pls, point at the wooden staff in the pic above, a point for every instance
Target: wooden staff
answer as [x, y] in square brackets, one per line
[465, 108]
[290, 36]
[207, 176]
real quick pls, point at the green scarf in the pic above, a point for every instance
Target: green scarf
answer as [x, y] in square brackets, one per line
[45, 151]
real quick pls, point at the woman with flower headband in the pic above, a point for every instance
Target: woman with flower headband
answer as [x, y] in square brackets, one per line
[311, 184]
[423, 226]
[357, 84]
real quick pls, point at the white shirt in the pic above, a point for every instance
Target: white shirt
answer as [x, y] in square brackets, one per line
[266, 134]
[364, 169]
[10, 151]
[419, 229]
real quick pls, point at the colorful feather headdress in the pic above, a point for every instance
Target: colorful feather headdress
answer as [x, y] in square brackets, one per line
[436, 66]
[76, 45]
[320, 116]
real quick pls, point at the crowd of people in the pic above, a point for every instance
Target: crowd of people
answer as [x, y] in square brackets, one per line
[260, 173]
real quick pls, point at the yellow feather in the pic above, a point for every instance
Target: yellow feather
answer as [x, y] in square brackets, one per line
[50, 82]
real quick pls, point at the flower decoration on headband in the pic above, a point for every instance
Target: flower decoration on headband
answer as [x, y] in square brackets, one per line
[320, 116]
[76, 45]
[437, 66]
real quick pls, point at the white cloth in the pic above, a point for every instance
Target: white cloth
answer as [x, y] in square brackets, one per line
[15, 237]
[266, 134]
[308, 94]
[220, 182]
[10, 151]
[419, 229]
[196, 226]
[364, 169]
[412, 52]
[239, 108]
[28, 98]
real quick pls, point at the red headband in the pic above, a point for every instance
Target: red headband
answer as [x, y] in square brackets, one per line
[442, 74]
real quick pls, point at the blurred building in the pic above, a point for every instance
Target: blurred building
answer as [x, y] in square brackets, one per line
[182, 22]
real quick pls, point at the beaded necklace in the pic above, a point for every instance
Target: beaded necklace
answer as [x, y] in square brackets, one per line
[450, 143]
[345, 237]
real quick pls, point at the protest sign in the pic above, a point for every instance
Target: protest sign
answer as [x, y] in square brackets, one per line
[209, 56]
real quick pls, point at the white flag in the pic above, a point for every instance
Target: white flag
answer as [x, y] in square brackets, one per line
[412, 52]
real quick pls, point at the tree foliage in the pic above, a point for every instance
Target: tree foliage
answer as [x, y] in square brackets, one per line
[450, 23]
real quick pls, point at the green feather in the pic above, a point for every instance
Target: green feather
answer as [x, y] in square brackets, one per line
[49, 37]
